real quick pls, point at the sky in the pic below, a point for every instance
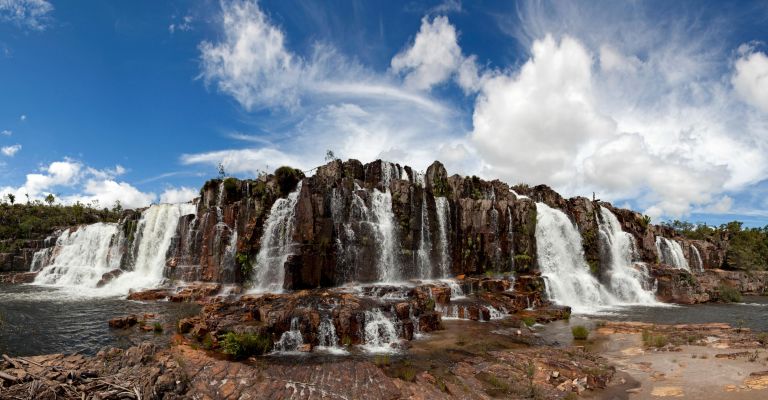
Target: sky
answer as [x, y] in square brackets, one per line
[657, 106]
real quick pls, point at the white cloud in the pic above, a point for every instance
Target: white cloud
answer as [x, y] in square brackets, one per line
[80, 183]
[23, 117]
[11, 150]
[178, 195]
[184, 25]
[432, 58]
[318, 102]
[750, 78]
[6, 132]
[31, 14]
[670, 146]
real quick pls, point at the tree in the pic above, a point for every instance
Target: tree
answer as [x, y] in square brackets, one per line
[11, 198]
[222, 172]
[329, 156]
[118, 207]
[50, 199]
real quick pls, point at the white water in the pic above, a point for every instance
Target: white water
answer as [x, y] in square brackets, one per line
[624, 281]
[327, 340]
[380, 333]
[671, 253]
[696, 256]
[561, 260]
[423, 260]
[443, 226]
[80, 258]
[519, 196]
[381, 208]
[276, 245]
[290, 340]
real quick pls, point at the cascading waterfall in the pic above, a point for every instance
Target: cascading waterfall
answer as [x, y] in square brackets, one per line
[423, 259]
[155, 231]
[327, 339]
[291, 340]
[381, 208]
[276, 244]
[443, 218]
[561, 260]
[624, 281]
[80, 258]
[696, 257]
[671, 253]
[380, 333]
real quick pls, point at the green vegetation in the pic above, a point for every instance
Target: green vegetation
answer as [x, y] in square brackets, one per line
[157, 327]
[729, 294]
[36, 220]
[747, 247]
[528, 321]
[651, 339]
[580, 332]
[523, 262]
[287, 179]
[244, 345]
[430, 305]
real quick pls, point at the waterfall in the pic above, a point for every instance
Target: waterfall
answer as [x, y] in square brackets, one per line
[671, 253]
[381, 208]
[443, 218]
[327, 339]
[380, 333]
[625, 281]
[423, 259]
[519, 196]
[291, 340]
[696, 256]
[561, 260]
[276, 244]
[80, 258]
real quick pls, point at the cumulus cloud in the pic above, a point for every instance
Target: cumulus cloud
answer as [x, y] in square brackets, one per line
[30, 14]
[178, 195]
[81, 183]
[6, 132]
[750, 78]
[11, 150]
[645, 116]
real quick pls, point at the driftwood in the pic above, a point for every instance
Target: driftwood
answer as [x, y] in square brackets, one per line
[8, 377]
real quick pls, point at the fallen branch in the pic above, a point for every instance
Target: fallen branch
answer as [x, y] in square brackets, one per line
[8, 377]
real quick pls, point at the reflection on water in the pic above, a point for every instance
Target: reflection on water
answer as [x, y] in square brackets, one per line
[42, 320]
[752, 314]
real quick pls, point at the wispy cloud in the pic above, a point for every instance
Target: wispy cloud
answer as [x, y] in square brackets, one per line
[28, 14]
[10, 151]
[6, 132]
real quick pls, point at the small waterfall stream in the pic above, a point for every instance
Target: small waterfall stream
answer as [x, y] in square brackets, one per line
[380, 333]
[276, 245]
[443, 226]
[618, 247]
[291, 340]
[381, 208]
[561, 260]
[671, 253]
[696, 257]
[423, 259]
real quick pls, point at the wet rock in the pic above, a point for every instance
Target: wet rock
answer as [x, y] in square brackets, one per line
[149, 295]
[123, 322]
[109, 277]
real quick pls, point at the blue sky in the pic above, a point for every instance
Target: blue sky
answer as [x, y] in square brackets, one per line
[658, 106]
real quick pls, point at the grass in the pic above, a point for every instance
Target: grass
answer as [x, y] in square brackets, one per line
[528, 321]
[580, 332]
[651, 339]
[244, 345]
[157, 327]
[381, 360]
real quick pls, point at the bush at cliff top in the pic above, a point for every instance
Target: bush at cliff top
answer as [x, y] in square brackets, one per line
[244, 345]
[287, 179]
